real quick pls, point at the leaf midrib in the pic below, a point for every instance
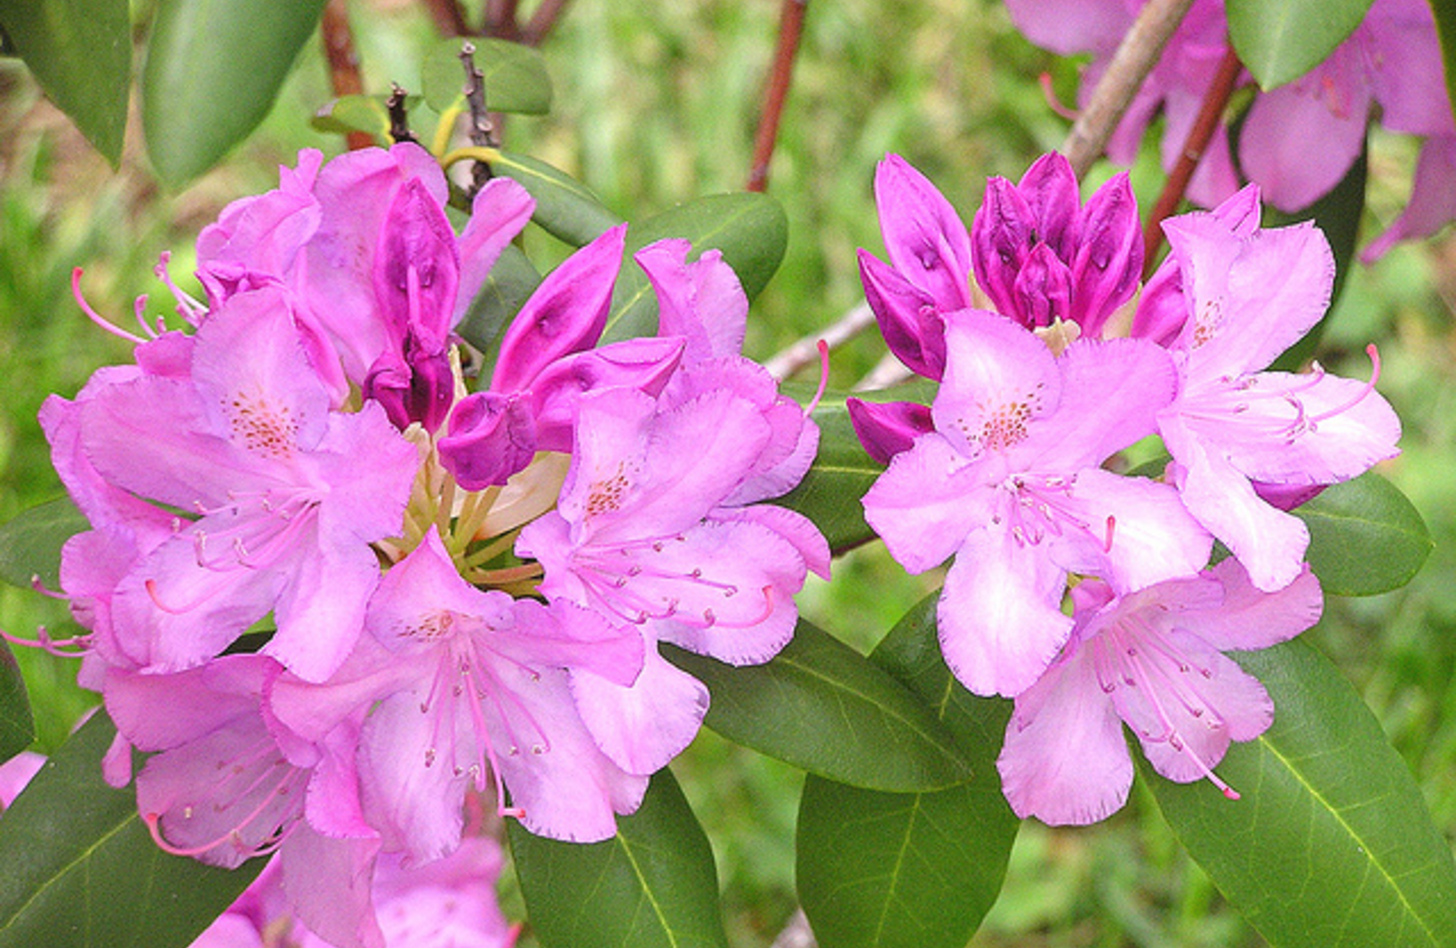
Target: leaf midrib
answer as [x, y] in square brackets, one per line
[1363, 846]
[66, 868]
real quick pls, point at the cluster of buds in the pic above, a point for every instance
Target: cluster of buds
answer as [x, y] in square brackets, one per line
[335, 595]
[1058, 364]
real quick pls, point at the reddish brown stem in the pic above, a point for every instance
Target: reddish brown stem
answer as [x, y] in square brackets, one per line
[449, 18]
[344, 77]
[500, 20]
[791, 27]
[1209, 116]
[542, 22]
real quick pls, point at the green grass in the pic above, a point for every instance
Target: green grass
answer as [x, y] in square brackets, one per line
[656, 103]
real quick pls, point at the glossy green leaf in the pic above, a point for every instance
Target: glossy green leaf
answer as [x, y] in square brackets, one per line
[81, 871]
[354, 113]
[822, 706]
[30, 544]
[1446, 29]
[1365, 537]
[1330, 845]
[918, 870]
[652, 886]
[842, 471]
[80, 53]
[565, 209]
[1279, 42]
[213, 70]
[514, 76]
[17, 724]
[750, 229]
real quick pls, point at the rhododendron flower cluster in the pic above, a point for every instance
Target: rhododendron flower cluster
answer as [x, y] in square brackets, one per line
[1050, 365]
[1390, 65]
[334, 594]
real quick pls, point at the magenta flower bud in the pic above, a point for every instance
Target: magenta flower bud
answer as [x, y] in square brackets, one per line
[1109, 258]
[1050, 190]
[886, 429]
[492, 436]
[418, 387]
[1039, 256]
[1002, 233]
[924, 237]
[566, 314]
[907, 315]
[417, 270]
[1042, 292]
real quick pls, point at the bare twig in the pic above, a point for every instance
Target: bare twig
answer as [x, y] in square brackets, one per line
[449, 18]
[791, 27]
[482, 130]
[399, 129]
[1134, 59]
[806, 351]
[542, 22]
[500, 20]
[344, 77]
[1209, 116]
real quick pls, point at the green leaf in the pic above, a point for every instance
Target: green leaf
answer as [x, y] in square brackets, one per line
[81, 870]
[1331, 844]
[1365, 537]
[565, 209]
[354, 113]
[918, 870]
[511, 282]
[652, 886]
[1279, 42]
[213, 69]
[842, 471]
[1446, 30]
[822, 706]
[30, 544]
[17, 724]
[750, 229]
[515, 76]
[80, 53]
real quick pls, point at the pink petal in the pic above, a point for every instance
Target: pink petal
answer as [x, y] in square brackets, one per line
[1251, 619]
[924, 236]
[1000, 618]
[700, 301]
[643, 726]
[1000, 379]
[1119, 385]
[1065, 760]
[499, 212]
[1276, 147]
[926, 502]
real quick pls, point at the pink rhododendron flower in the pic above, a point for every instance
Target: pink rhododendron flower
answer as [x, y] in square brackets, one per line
[1151, 659]
[1248, 296]
[1009, 483]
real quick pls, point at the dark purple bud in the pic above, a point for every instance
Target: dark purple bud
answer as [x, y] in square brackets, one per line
[492, 436]
[1287, 496]
[566, 314]
[1043, 290]
[414, 386]
[644, 364]
[907, 316]
[417, 269]
[1002, 234]
[1109, 260]
[1050, 190]
[887, 428]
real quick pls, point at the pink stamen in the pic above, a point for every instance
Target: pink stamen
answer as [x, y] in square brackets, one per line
[1111, 525]
[1052, 101]
[40, 587]
[151, 587]
[190, 309]
[823, 377]
[49, 645]
[94, 316]
[1374, 355]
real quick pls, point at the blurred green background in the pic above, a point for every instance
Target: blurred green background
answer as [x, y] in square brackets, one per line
[657, 102]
